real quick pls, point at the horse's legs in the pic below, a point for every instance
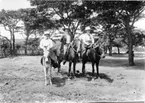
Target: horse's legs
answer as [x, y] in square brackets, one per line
[83, 68]
[97, 68]
[45, 74]
[59, 67]
[50, 75]
[74, 68]
[93, 70]
[69, 72]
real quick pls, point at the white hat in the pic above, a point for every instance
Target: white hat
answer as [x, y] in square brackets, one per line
[79, 31]
[46, 32]
[57, 32]
[87, 28]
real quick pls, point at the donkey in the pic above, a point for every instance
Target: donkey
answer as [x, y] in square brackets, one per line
[55, 58]
[72, 55]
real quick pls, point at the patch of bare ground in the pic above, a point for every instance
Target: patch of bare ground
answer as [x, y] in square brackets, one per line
[22, 81]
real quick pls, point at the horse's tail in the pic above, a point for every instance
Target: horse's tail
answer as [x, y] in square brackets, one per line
[41, 61]
[53, 62]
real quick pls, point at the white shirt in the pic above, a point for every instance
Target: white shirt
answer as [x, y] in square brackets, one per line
[87, 39]
[68, 38]
[46, 44]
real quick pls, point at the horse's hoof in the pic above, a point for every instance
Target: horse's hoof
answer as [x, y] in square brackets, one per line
[46, 83]
[58, 73]
[50, 83]
[74, 77]
[97, 77]
[93, 79]
[68, 79]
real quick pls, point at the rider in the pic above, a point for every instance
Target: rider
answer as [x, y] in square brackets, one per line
[67, 43]
[86, 40]
[46, 44]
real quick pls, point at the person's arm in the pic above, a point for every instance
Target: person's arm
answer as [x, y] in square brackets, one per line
[50, 44]
[93, 41]
[41, 45]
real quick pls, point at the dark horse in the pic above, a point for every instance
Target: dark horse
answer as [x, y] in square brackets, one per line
[55, 57]
[72, 55]
[92, 54]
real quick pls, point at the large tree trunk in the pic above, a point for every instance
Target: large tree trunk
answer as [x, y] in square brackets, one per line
[11, 49]
[27, 33]
[26, 43]
[12, 42]
[14, 49]
[118, 50]
[130, 44]
[110, 48]
[130, 49]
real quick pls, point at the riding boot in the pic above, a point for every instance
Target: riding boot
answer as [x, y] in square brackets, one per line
[65, 58]
[79, 57]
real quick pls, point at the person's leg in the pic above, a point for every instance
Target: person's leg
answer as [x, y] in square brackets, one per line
[53, 55]
[79, 49]
[65, 53]
[45, 54]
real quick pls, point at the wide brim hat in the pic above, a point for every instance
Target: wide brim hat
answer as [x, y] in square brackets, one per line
[66, 29]
[46, 33]
[87, 29]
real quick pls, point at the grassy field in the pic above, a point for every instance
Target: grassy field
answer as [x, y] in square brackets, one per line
[22, 81]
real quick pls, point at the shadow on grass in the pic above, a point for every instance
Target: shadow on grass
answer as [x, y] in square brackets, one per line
[109, 62]
[101, 75]
[2, 57]
[90, 76]
[59, 81]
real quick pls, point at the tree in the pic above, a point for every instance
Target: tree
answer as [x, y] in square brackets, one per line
[111, 13]
[63, 13]
[33, 44]
[127, 13]
[131, 12]
[9, 20]
[117, 42]
[4, 45]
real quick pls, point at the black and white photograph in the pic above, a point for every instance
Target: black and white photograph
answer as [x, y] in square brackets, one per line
[72, 51]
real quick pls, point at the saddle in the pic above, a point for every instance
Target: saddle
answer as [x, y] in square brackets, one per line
[53, 57]
[86, 48]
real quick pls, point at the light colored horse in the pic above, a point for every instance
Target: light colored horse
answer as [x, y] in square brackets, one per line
[55, 58]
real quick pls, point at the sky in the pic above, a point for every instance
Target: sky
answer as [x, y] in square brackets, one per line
[14, 4]
[17, 4]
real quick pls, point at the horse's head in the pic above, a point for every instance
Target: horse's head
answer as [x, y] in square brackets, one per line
[99, 50]
[76, 43]
[63, 39]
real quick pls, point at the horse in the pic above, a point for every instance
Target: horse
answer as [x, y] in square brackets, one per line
[72, 56]
[55, 58]
[92, 54]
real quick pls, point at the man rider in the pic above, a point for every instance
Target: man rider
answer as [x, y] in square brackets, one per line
[46, 44]
[67, 43]
[86, 40]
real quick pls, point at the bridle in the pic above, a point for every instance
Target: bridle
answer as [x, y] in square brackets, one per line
[72, 45]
